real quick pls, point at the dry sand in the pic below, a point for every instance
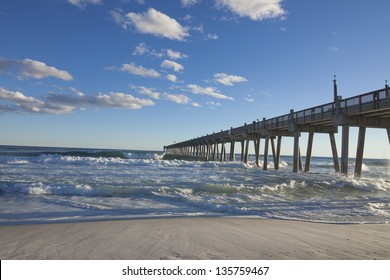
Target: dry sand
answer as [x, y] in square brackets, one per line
[195, 238]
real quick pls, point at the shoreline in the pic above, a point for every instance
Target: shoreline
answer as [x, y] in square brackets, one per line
[203, 238]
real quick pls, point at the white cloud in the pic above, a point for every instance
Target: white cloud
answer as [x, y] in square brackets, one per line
[143, 49]
[100, 100]
[249, 99]
[189, 3]
[39, 70]
[172, 78]
[139, 70]
[77, 92]
[254, 9]
[118, 100]
[18, 97]
[228, 80]
[207, 36]
[211, 36]
[177, 98]
[18, 102]
[334, 49]
[29, 68]
[57, 104]
[83, 3]
[209, 91]
[119, 18]
[175, 54]
[213, 104]
[158, 24]
[150, 92]
[169, 64]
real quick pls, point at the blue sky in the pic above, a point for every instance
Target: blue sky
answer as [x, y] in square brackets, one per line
[140, 74]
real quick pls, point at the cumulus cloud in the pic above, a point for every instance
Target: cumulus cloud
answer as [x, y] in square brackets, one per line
[18, 97]
[155, 23]
[152, 93]
[100, 100]
[177, 98]
[169, 64]
[29, 68]
[143, 49]
[189, 3]
[172, 78]
[138, 70]
[254, 9]
[57, 104]
[228, 80]
[209, 91]
[84, 3]
[117, 100]
[18, 102]
[149, 92]
[211, 36]
[175, 54]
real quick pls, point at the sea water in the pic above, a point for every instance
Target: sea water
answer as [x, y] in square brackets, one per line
[43, 185]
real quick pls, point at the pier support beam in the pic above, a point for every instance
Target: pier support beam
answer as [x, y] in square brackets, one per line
[242, 150]
[273, 149]
[334, 152]
[278, 149]
[223, 152]
[359, 152]
[232, 146]
[296, 155]
[210, 147]
[215, 151]
[257, 151]
[308, 152]
[344, 150]
[246, 151]
[265, 162]
[299, 159]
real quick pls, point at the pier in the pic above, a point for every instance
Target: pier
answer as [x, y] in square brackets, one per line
[369, 110]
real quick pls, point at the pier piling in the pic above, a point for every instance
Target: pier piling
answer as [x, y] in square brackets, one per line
[359, 152]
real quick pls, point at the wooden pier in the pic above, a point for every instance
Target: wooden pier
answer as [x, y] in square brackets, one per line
[369, 110]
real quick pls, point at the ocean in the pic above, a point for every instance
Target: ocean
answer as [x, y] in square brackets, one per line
[45, 185]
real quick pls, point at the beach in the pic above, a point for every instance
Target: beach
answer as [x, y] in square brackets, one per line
[204, 238]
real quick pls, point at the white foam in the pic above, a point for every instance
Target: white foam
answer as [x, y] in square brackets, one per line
[379, 208]
[40, 188]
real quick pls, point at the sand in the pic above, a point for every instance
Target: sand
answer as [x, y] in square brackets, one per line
[196, 238]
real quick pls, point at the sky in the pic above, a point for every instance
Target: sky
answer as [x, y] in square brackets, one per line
[141, 74]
